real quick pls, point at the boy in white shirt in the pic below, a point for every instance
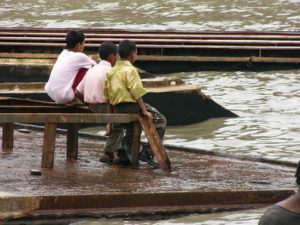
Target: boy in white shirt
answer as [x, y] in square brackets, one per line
[69, 69]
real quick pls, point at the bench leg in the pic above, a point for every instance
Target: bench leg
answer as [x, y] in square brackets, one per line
[136, 144]
[72, 141]
[7, 137]
[49, 145]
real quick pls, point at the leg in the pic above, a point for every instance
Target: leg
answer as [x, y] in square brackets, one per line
[98, 107]
[49, 145]
[7, 137]
[131, 134]
[114, 139]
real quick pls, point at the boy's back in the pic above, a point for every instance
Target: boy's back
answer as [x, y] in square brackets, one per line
[123, 84]
[59, 85]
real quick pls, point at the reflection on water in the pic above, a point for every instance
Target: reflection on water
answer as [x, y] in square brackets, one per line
[245, 217]
[268, 104]
[159, 14]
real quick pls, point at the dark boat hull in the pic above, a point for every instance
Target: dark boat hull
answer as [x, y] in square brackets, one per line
[181, 104]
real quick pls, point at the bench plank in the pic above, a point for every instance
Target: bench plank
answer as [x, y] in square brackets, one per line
[67, 118]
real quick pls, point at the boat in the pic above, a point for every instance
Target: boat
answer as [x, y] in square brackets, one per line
[189, 103]
[203, 182]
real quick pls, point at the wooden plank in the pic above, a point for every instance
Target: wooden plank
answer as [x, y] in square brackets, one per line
[28, 55]
[180, 41]
[66, 118]
[149, 33]
[159, 46]
[7, 137]
[131, 203]
[155, 143]
[72, 140]
[49, 145]
[136, 144]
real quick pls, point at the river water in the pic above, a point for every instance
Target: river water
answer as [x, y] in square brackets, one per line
[268, 103]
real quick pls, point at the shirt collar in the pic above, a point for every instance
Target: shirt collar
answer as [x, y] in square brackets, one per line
[123, 63]
[104, 63]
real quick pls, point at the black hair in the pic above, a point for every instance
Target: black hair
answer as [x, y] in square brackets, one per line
[106, 49]
[126, 47]
[74, 37]
[297, 175]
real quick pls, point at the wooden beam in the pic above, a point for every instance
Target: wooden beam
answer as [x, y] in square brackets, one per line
[7, 137]
[66, 118]
[72, 140]
[155, 143]
[158, 46]
[136, 144]
[49, 145]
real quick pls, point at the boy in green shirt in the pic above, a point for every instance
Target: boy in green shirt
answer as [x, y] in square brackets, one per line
[124, 90]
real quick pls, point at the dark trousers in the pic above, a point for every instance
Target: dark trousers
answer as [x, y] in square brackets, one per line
[158, 120]
[114, 140]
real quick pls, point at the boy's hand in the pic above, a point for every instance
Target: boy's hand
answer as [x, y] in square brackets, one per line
[146, 113]
[108, 129]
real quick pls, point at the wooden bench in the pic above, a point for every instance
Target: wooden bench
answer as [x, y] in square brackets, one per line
[51, 120]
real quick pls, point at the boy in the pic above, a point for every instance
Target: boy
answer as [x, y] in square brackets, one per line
[69, 69]
[124, 90]
[90, 90]
[286, 212]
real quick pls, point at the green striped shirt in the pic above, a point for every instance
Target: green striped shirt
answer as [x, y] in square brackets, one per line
[123, 84]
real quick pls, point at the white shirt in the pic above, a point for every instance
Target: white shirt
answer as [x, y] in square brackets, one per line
[92, 85]
[64, 71]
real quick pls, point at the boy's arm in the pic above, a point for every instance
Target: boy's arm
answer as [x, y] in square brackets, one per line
[79, 95]
[141, 104]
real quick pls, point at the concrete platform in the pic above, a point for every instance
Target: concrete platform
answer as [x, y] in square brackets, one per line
[87, 187]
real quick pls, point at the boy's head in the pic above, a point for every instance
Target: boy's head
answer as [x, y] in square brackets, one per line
[128, 50]
[75, 40]
[108, 51]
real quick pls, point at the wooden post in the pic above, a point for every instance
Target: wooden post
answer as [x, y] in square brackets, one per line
[49, 145]
[7, 137]
[155, 143]
[136, 144]
[72, 140]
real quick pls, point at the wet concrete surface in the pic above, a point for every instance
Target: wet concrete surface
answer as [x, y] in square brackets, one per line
[87, 175]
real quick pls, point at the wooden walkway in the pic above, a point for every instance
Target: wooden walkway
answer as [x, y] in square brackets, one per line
[199, 183]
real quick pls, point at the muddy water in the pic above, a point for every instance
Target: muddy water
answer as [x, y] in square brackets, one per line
[245, 217]
[158, 14]
[268, 104]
